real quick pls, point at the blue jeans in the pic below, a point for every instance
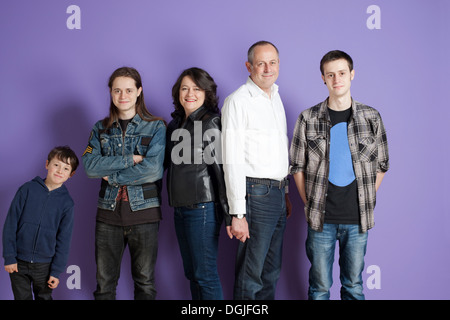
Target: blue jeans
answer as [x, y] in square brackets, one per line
[110, 243]
[197, 228]
[258, 261]
[320, 248]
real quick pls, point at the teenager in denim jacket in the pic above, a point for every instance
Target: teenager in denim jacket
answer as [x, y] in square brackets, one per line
[126, 150]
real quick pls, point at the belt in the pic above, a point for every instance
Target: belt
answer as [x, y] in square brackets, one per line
[270, 182]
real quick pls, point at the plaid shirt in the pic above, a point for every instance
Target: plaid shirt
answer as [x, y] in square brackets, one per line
[310, 153]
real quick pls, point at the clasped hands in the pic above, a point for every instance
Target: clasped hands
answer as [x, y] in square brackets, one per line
[238, 229]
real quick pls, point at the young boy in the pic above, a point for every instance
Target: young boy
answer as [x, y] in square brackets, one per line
[38, 229]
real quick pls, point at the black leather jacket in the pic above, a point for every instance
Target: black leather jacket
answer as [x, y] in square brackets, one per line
[194, 164]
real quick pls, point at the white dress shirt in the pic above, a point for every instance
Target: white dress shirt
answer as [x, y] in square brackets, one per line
[254, 140]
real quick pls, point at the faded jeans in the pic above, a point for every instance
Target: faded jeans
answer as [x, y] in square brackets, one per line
[320, 249]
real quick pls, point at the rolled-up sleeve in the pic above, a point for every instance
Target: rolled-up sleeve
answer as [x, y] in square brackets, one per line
[383, 151]
[297, 152]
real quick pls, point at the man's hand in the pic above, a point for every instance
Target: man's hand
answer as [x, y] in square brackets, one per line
[239, 229]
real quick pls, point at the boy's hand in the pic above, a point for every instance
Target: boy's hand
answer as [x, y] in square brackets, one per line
[137, 158]
[10, 268]
[53, 282]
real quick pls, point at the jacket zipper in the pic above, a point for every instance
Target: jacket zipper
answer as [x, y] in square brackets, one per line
[39, 228]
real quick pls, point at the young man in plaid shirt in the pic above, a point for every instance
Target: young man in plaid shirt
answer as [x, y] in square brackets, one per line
[339, 155]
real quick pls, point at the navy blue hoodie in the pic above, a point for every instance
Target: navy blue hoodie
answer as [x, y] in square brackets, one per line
[38, 227]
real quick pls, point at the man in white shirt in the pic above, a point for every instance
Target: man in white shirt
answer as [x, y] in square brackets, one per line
[256, 163]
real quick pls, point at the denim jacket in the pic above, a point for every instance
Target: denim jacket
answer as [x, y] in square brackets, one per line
[110, 154]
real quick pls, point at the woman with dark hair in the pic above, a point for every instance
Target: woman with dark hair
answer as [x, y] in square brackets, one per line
[126, 150]
[195, 183]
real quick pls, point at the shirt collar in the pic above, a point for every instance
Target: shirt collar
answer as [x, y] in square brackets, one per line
[198, 114]
[256, 91]
[136, 119]
[194, 116]
[323, 110]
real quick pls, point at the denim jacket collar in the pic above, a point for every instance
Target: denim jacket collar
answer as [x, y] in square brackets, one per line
[136, 119]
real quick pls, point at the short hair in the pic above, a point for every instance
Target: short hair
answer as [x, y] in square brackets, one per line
[336, 55]
[65, 154]
[251, 50]
[205, 82]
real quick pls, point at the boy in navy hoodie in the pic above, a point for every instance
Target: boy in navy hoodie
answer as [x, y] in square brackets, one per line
[38, 229]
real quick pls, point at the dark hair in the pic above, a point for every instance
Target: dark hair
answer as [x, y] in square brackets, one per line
[336, 55]
[205, 82]
[65, 154]
[141, 109]
[251, 50]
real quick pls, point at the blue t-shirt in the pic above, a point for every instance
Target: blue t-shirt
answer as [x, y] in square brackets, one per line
[342, 202]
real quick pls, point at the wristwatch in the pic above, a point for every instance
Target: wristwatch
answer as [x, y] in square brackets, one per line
[239, 216]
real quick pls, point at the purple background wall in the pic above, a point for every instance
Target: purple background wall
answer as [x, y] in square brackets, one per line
[53, 87]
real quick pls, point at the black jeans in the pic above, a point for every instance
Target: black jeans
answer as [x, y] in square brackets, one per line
[31, 278]
[110, 243]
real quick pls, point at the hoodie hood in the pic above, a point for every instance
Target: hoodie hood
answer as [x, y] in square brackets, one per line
[41, 182]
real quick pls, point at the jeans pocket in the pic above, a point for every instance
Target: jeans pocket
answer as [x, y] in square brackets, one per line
[258, 190]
